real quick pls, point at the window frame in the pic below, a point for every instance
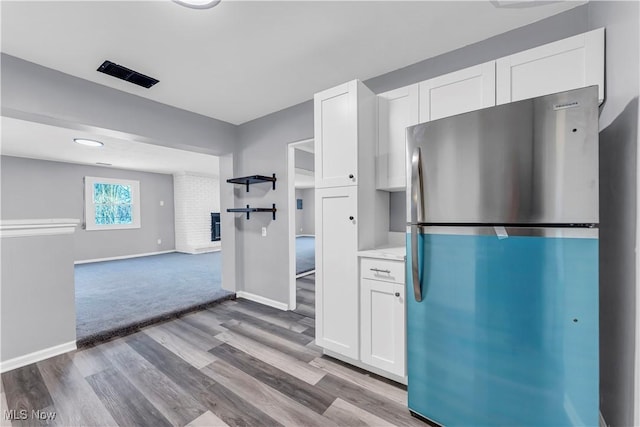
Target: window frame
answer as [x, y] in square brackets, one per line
[89, 206]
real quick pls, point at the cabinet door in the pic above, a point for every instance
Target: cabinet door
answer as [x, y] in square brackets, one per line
[383, 325]
[458, 92]
[397, 109]
[336, 136]
[555, 67]
[337, 298]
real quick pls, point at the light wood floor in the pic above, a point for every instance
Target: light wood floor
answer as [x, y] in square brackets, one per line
[237, 364]
[306, 296]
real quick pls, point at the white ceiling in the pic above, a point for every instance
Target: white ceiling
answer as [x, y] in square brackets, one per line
[38, 141]
[244, 59]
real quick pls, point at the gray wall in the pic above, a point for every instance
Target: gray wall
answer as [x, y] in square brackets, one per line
[557, 27]
[34, 189]
[263, 262]
[398, 211]
[309, 223]
[305, 217]
[37, 294]
[618, 192]
[304, 160]
[300, 213]
[40, 94]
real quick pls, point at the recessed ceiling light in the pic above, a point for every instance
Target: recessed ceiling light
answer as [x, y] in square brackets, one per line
[198, 4]
[104, 164]
[88, 142]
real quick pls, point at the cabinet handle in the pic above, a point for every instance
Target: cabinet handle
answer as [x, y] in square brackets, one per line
[351, 218]
[350, 176]
[377, 270]
[397, 294]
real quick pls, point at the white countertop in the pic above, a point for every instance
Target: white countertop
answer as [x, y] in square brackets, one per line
[396, 253]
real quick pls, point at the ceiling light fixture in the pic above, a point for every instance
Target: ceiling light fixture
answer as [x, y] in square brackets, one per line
[88, 142]
[198, 4]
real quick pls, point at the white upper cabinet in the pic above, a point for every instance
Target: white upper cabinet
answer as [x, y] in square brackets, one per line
[397, 109]
[555, 67]
[454, 93]
[458, 92]
[337, 132]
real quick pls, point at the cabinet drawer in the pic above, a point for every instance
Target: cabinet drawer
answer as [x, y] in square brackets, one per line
[382, 269]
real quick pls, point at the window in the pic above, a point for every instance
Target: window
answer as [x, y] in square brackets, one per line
[111, 203]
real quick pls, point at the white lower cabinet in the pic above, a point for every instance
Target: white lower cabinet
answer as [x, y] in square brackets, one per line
[382, 315]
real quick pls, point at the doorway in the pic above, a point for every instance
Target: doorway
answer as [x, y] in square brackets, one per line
[301, 205]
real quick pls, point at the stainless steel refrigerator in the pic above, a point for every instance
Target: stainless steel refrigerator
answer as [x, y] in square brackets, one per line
[502, 264]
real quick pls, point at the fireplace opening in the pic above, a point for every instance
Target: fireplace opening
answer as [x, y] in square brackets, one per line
[215, 226]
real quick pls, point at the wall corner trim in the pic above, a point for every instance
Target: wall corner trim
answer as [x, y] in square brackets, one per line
[36, 356]
[37, 227]
[262, 300]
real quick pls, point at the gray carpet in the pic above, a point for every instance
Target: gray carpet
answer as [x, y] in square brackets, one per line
[113, 295]
[305, 254]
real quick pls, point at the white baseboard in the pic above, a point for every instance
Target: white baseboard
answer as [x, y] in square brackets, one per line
[203, 247]
[114, 258]
[262, 300]
[198, 251]
[36, 356]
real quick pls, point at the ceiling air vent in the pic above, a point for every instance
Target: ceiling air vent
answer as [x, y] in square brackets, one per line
[124, 73]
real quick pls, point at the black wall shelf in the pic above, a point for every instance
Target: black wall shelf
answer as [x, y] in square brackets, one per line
[253, 179]
[249, 209]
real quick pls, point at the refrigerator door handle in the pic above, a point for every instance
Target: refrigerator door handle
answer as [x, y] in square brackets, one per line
[417, 288]
[417, 200]
[417, 210]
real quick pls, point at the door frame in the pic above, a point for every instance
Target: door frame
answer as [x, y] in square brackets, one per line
[291, 210]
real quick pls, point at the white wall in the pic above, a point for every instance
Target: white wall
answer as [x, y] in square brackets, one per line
[195, 198]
